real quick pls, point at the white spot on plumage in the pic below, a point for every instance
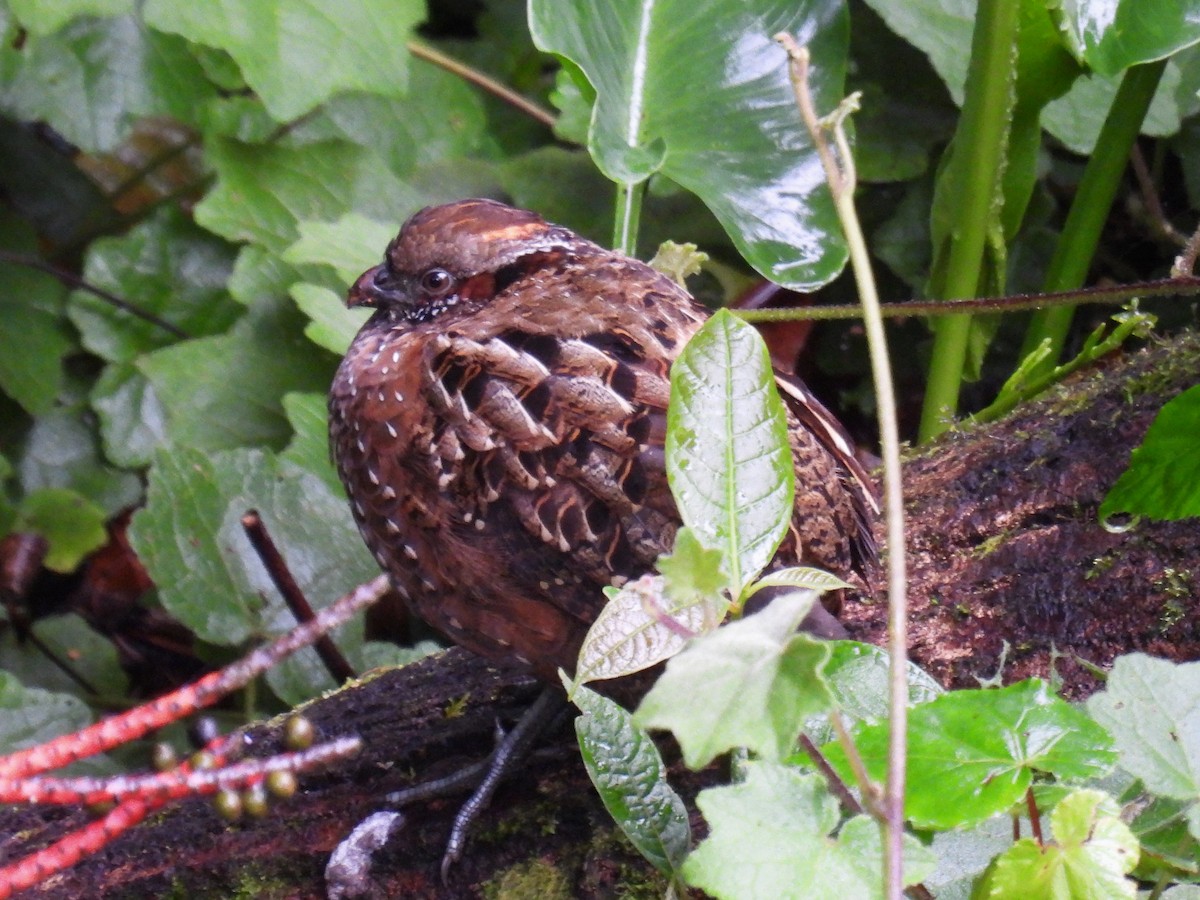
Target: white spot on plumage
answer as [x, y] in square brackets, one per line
[389, 492]
[479, 526]
[409, 551]
[396, 356]
[392, 527]
[399, 396]
[373, 475]
[391, 429]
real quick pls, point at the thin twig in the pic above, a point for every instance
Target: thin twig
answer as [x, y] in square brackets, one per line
[1035, 817]
[74, 281]
[477, 78]
[837, 787]
[1151, 199]
[1183, 284]
[839, 172]
[1185, 262]
[332, 657]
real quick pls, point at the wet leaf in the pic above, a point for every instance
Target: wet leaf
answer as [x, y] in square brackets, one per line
[630, 777]
[973, 754]
[728, 459]
[702, 96]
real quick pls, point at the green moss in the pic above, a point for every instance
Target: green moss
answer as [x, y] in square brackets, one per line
[254, 884]
[1178, 587]
[1100, 565]
[532, 878]
[991, 545]
[635, 878]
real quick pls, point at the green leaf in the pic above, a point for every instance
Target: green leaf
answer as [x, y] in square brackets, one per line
[43, 18]
[264, 191]
[350, 245]
[729, 463]
[133, 423]
[1163, 478]
[640, 627]
[1111, 37]
[279, 46]
[331, 324]
[1091, 853]
[1151, 708]
[32, 716]
[800, 578]
[71, 525]
[189, 536]
[96, 77]
[309, 449]
[631, 780]
[759, 681]
[226, 391]
[722, 122]
[771, 837]
[164, 265]
[901, 121]
[972, 754]
[651, 618]
[441, 118]
[857, 676]
[32, 330]
[1076, 118]
[69, 637]
[60, 451]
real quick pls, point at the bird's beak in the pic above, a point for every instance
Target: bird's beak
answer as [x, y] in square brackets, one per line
[372, 290]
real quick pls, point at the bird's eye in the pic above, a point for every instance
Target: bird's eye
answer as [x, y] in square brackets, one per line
[437, 282]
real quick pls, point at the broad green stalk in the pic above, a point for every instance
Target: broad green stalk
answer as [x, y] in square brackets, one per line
[1089, 210]
[628, 217]
[981, 138]
[839, 172]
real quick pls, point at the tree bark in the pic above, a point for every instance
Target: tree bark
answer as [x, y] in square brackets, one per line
[1004, 547]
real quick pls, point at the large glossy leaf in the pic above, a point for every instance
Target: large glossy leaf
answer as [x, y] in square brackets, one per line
[1112, 35]
[701, 94]
[728, 458]
[280, 46]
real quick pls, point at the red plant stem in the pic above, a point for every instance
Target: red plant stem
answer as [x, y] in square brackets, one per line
[179, 782]
[171, 707]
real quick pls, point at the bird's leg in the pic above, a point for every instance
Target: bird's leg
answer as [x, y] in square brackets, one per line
[513, 749]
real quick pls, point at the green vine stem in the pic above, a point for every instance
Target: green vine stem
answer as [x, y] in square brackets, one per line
[1089, 210]
[982, 138]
